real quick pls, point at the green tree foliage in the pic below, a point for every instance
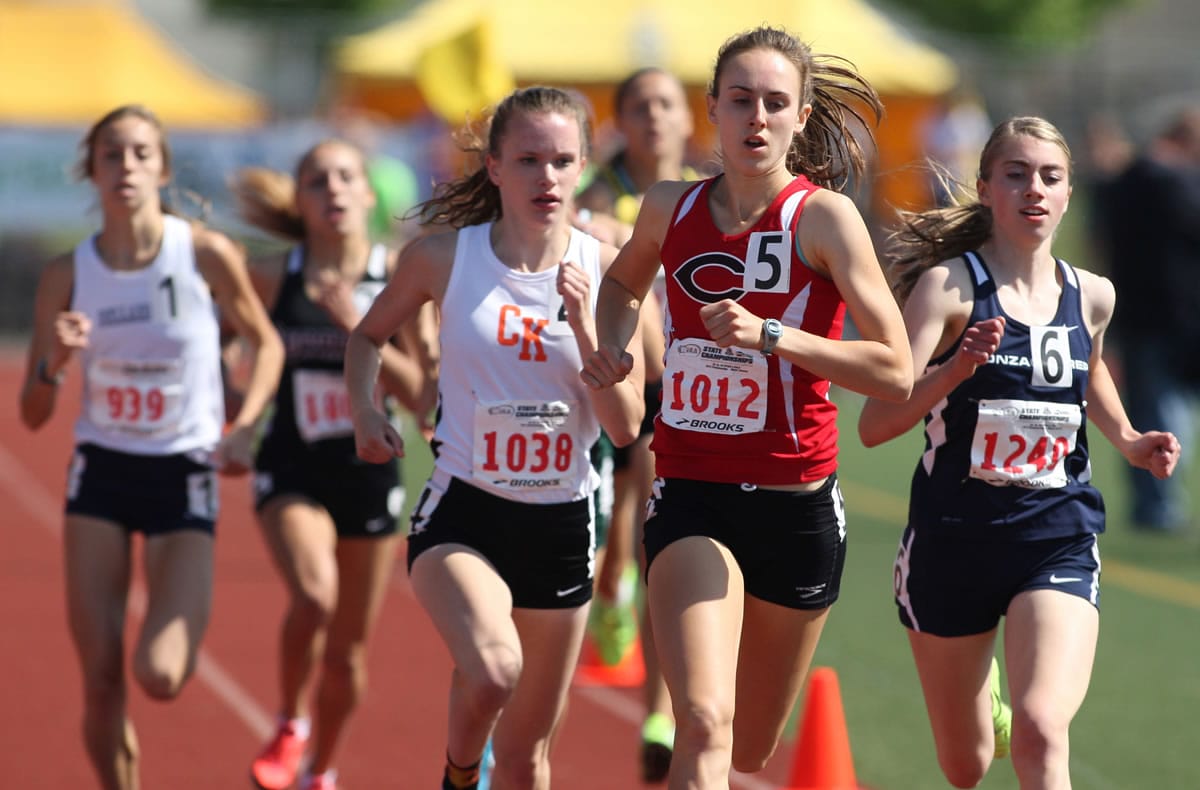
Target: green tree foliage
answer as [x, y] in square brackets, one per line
[1013, 23]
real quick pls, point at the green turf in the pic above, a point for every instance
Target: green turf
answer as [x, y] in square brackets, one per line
[1135, 730]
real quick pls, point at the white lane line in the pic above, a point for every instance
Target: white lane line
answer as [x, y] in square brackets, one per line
[31, 493]
[36, 499]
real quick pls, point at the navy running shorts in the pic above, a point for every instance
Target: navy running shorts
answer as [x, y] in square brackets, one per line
[951, 586]
[151, 494]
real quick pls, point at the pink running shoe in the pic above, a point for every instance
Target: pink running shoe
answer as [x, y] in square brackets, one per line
[276, 766]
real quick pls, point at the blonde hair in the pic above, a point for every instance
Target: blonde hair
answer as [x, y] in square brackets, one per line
[926, 238]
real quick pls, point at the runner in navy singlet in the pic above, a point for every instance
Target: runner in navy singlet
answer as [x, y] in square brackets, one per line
[1003, 519]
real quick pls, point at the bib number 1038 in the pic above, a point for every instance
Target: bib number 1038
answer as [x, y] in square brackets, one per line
[529, 444]
[527, 452]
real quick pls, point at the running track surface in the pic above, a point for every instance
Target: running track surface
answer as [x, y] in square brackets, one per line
[207, 737]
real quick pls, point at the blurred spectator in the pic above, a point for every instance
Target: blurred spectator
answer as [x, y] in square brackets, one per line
[1108, 148]
[954, 139]
[392, 180]
[1150, 215]
[1108, 153]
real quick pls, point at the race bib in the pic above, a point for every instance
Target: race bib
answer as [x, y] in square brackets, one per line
[768, 262]
[1023, 443]
[527, 444]
[711, 389]
[322, 405]
[140, 397]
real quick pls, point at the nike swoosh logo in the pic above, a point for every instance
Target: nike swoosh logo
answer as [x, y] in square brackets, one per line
[1054, 579]
[568, 591]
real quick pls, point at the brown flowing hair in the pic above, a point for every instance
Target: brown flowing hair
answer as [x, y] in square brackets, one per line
[827, 151]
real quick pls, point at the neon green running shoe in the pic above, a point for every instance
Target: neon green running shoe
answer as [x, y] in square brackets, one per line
[1001, 715]
[613, 629]
[658, 744]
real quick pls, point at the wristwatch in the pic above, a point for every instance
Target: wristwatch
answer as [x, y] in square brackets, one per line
[43, 374]
[772, 331]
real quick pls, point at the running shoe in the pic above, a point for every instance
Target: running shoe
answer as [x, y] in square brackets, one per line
[276, 766]
[1001, 715]
[613, 629]
[658, 743]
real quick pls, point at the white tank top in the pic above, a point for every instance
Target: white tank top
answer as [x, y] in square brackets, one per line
[151, 370]
[515, 419]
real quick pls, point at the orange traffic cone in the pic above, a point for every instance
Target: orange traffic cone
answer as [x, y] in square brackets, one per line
[821, 760]
[629, 672]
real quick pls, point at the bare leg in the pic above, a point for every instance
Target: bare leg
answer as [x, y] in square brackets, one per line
[1050, 644]
[96, 555]
[302, 540]
[954, 673]
[364, 568]
[179, 575]
[471, 607]
[778, 644]
[696, 599]
[550, 642]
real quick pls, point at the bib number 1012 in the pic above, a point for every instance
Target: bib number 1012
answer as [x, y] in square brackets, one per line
[701, 395]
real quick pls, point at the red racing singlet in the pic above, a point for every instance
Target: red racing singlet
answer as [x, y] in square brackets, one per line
[735, 415]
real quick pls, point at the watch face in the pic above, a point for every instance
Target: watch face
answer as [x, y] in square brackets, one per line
[772, 331]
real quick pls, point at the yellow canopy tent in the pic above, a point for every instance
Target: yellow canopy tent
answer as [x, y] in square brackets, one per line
[537, 43]
[71, 62]
[483, 47]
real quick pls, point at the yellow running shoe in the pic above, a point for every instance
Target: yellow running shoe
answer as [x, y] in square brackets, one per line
[658, 744]
[612, 625]
[1001, 715]
[613, 629]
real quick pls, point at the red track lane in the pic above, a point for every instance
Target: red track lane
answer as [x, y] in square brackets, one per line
[206, 738]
